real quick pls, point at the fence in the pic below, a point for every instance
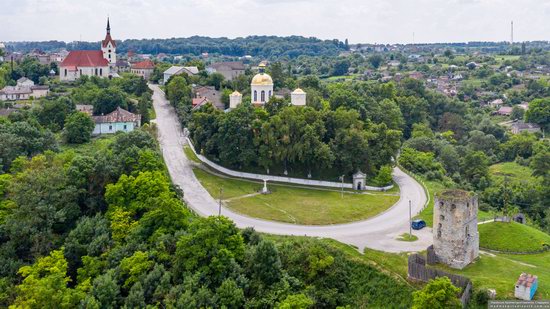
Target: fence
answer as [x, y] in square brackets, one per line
[417, 270]
[260, 177]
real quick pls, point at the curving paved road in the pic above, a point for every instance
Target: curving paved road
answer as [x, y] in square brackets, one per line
[378, 233]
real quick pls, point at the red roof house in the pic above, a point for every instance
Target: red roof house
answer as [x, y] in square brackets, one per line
[144, 68]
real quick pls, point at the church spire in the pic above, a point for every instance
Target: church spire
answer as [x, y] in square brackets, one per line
[108, 26]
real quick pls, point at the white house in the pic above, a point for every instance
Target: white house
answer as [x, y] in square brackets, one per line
[261, 87]
[24, 90]
[25, 82]
[90, 62]
[118, 120]
[177, 70]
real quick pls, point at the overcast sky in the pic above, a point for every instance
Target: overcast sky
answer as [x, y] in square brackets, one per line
[364, 21]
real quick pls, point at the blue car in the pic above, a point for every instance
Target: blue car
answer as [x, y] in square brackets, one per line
[418, 224]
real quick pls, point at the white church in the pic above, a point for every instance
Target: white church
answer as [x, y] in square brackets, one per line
[261, 90]
[99, 63]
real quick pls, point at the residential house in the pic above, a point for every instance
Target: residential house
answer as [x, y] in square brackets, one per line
[177, 70]
[229, 70]
[118, 120]
[24, 90]
[520, 126]
[144, 68]
[198, 102]
[122, 65]
[211, 94]
[85, 108]
[505, 111]
[496, 103]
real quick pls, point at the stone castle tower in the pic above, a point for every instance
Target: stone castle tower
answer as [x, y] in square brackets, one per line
[456, 240]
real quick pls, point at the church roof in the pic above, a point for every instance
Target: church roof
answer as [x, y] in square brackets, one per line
[262, 79]
[108, 39]
[85, 58]
[145, 64]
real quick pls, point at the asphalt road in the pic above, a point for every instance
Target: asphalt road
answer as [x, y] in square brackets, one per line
[378, 233]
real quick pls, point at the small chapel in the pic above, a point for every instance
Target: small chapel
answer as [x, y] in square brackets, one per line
[261, 91]
[98, 63]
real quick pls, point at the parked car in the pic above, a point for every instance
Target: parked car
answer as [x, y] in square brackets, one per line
[418, 224]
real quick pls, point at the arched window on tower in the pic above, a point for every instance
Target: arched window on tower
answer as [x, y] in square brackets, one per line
[269, 94]
[100, 72]
[255, 96]
[263, 96]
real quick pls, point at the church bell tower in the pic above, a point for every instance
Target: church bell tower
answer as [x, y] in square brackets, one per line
[108, 46]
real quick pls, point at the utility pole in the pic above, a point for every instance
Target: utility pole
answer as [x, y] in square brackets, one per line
[220, 204]
[512, 33]
[410, 220]
[342, 192]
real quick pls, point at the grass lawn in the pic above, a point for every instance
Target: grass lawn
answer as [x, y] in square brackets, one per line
[296, 205]
[427, 214]
[96, 144]
[491, 271]
[407, 237]
[513, 171]
[501, 271]
[511, 237]
[190, 154]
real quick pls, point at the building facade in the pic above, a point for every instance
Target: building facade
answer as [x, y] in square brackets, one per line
[100, 63]
[261, 87]
[118, 120]
[229, 70]
[144, 68]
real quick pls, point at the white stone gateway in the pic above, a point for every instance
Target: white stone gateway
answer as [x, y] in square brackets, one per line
[359, 180]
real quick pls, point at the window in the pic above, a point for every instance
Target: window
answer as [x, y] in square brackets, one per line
[439, 231]
[109, 50]
[65, 72]
[80, 71]
[101, 71]
[263, 96]
[109, 56]
[255, 95]
[124, 127]
[95, 71]
[453, 206]
[467, 232]
[110, 128]
[269, 94]
[441, 217]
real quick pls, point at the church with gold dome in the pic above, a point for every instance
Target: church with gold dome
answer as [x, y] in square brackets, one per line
[261, 90]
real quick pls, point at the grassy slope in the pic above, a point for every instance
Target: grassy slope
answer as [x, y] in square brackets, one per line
[95, 145]
[296, 205]
[190, 154]
[513, 171]
[434, 187]
[491, 271]
[512, 237]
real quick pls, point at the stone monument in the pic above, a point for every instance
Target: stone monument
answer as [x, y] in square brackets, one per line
[456, 240]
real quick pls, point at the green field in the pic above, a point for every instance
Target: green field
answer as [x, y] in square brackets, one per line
[512, 237]
[96, 144]
[490, 271]
[434, 187]
[513, 171]
[309, 206]
[190, 154]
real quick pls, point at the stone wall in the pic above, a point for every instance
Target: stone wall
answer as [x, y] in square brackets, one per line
[418, 271]
[456, 240]
[298, 181]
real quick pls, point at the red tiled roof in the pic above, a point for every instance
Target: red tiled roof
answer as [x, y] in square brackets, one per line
[199, 101]
[85, 58]
[146, 64]
[108, 39]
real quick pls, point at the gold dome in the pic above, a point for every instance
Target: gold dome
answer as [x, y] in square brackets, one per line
[262, 79]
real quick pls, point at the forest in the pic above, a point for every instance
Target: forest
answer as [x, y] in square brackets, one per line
[257, 46]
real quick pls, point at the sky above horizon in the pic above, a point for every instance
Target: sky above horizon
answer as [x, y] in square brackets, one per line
[361, 21]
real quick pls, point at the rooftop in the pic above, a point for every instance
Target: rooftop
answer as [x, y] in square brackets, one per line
[118, 115]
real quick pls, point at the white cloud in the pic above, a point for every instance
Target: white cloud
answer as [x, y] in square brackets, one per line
[358, 20]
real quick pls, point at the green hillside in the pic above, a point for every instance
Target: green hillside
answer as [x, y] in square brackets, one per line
[511, 237]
